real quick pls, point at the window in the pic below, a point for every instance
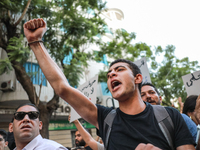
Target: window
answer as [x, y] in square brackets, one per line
[35, 73]
[105, 60]
[68, 58]
[90, 11]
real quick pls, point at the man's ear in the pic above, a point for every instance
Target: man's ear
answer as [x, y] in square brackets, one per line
[138, 79]
[10, 127]
[40, 125]
[160, 99]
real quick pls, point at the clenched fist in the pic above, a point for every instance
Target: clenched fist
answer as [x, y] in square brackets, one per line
[35, 29]
[143, 146]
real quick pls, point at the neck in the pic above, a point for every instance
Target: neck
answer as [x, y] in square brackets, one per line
[20, 146]
[133, 105]
[22, 142]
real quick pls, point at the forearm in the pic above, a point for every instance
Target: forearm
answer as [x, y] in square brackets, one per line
[186, 147]
[59, 83]
[50, 69]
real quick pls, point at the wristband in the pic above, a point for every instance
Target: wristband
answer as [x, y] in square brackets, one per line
[198, 131]
[198, 127]
[34, 42]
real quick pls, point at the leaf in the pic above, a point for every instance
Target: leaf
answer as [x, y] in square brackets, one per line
[18, 52]
[5, 66]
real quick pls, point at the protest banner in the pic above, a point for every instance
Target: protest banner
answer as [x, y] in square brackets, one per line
[142, 64]
[192, 83]
[89, 89]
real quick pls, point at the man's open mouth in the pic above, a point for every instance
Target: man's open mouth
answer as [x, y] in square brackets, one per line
[115, 84]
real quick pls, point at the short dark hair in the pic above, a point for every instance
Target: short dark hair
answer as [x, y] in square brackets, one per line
[134, 68]
[190, 104]
[29, 104]
[150, 84]
[4, 134]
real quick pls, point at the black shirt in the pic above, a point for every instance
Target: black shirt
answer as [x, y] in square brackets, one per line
[88, 148]
[130, 130]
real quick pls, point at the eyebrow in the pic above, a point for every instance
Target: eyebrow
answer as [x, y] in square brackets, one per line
[148, 91]
[78, 135]
[115, 69]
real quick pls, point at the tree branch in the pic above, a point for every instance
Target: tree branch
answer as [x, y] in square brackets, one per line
[23, 14]
[38, 100]
[53, 103]
[9, 16]
[25, 81]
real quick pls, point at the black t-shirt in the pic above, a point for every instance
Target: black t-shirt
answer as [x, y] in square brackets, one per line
[88, 148]
[130, 130]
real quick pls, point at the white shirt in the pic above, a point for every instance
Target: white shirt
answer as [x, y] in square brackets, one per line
[39, 143]
[100, 146]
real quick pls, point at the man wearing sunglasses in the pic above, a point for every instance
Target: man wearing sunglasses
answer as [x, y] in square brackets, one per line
[3, 139]
[26, 128]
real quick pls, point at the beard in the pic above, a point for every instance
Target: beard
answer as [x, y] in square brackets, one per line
[80, 143]
[153, 102]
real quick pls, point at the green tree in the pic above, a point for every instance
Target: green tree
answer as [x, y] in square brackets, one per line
[167, 75]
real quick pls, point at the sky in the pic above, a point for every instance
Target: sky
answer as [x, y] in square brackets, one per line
[164, 22]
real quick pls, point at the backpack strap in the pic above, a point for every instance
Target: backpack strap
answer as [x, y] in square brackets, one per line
[165, 123]
[107, 126]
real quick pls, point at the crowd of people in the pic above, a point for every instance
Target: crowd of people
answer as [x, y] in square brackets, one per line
[135, 124]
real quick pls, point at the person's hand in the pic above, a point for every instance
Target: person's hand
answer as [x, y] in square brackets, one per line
[197, 110]
[35, 29]
[148, 146]
[69, 117]
[180, 104]
[75, 121]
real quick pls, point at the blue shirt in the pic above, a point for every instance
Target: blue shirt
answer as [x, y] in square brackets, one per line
[191, 126]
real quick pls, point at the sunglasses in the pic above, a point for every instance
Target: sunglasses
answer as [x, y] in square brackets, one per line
[31, 114]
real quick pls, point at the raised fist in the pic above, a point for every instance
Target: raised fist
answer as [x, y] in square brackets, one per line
[35, 29]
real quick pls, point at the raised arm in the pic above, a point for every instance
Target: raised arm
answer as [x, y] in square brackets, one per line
[92, 143]
[34, 31]
[180, 104]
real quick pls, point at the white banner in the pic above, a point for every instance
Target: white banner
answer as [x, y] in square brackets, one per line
[192, 83]
[89, 89]
[142, 64]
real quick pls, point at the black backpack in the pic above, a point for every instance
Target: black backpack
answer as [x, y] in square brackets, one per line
[164, 121]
